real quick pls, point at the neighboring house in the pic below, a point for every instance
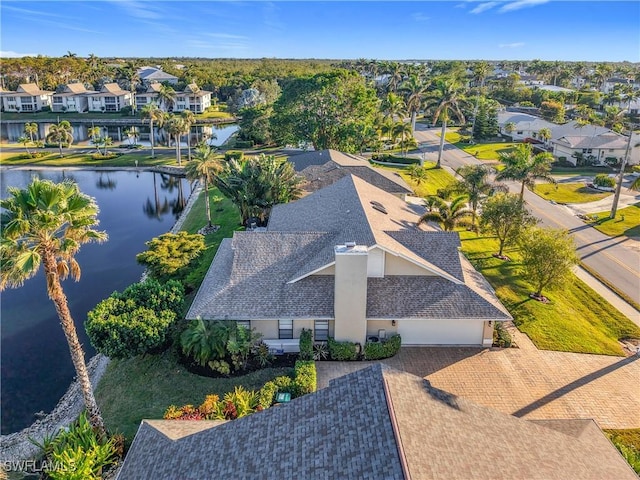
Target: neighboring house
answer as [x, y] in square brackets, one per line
[27, 98]
[598, 149]
[111, 98]
[526, 125]
[324, 167]
[150, 75]
[611, 83]
[348, 261]
[149, 96]
[192, 98]
[73, 98]
[554, 88]
[376, 423]
[530, 80]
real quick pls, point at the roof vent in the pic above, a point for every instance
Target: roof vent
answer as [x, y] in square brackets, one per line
[379, 207]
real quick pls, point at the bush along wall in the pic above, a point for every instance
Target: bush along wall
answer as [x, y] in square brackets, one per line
[385, 349]
[342, 350]
[306, 344]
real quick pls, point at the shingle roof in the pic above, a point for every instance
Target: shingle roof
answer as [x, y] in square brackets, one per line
[112, 89]
[268, 275]
[31, 89]
[524, 121]
[376, 423]
[72, 89]
[151, 73]
[605, 140]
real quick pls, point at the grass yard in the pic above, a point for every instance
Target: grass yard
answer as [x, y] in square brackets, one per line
[143, 387]
[569, 192]
[628, 442]
[626, 223]
[489, 152]
[577, 319]
[75, 158]
[437, 178]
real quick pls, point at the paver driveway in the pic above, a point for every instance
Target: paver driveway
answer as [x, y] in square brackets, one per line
[525, 382]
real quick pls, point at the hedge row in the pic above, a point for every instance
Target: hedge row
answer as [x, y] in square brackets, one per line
[306, 344]
[304, 381]
[342, 350]
[384, 349]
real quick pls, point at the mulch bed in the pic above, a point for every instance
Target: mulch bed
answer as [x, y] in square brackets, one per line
[280, 361]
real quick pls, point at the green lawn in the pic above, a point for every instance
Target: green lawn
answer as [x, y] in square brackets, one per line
[143, 387]
[74, 157]
[489, 152]
[628, 442]
[626, 223]
[437, 179]
[577, 319]
[569, 192]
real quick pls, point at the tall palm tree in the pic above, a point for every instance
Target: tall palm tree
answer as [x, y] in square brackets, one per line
[475, 185]
[447, 99]
[393, 106]
[189, 120]
[448, 215]
[60, 133]
[152, 113]
[31, 129]
[46, 223]
[167, 97]
[524, 167]
[415, 90]
[204, 166]
[175, 127]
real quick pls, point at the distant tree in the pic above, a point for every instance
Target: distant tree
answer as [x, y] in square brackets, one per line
[486, 119]
[548, 257]
[552, 111]
[169, 255]
[176, 126]
[414, 89]
[189, 119]
[61, 133]
[446, 98]
[524, 167]
[504, 216]
[509, 127]
[255, 125]
[448, 215]
[167, 96]
[46, 224]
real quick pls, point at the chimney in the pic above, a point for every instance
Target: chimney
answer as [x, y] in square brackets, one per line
[350, 296]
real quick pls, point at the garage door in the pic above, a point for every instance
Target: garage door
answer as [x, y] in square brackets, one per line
[441, 332]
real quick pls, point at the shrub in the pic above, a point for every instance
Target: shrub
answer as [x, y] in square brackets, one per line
[126, 110]
[305, 377]
[342, 350]
[233, 155]
[104, 156]
[385, 349]
[386, 158]
[170, 254]
[604, 180]
[635, 169]
[79, 454]
[243, 144]
[306, 344]
[135, 321]
[205, 341]
[501, 337]
[267, 393]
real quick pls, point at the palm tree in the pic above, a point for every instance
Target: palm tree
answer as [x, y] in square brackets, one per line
[204, 166]
[393, 106]
[31, 129]
[94, 133]
[447, 99]
[175, 127]
[403, 130]
[510, 127]
[167, 97]
[189, 120]
[414, 89]
[24, 140]
[152, 113]
[448, 215]
[475, 185]
[544, 134]
[46, 223]
[60, 133]
[418, 173]
[524, 167]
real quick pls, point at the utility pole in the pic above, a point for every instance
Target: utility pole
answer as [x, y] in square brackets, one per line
[616, 197]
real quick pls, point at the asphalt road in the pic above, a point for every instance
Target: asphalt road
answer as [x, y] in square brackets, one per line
[615, 259]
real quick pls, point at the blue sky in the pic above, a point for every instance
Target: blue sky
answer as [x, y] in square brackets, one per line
[457, 29]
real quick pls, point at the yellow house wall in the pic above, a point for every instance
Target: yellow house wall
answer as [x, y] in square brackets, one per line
[394, 265]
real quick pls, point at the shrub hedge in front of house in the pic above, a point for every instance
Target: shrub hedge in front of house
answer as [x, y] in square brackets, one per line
[342, 350]
[306, 344]
[304, 381]
[385, 349]
[305, 377]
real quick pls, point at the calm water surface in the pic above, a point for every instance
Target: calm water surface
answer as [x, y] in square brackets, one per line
[35, 365]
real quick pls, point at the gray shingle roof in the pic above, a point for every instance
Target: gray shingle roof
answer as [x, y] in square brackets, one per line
[604, 140]
[363, 426]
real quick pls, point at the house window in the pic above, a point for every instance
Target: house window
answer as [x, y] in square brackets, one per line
[587, 150]
[244, 323]
[57, 99]
[285, 329]
[10, 99]
[519, 132]
[321, 330]
[27, 107]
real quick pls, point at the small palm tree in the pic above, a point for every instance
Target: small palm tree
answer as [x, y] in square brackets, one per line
[524, 167]
[175, 127]
[25, 142]
[447, 98]
[189, 120]
[448, 215]
[204, 166]
[31, 129]
[418, 173]
[47, 223]
[510, 127]
[167, 96]
[544, 134]
[152, 113]
[475, 185]
[60, 133]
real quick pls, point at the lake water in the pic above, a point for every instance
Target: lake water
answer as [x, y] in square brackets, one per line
[217, 134]
[35, 364]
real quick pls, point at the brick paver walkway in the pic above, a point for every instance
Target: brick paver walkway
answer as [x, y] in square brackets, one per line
[525, 382]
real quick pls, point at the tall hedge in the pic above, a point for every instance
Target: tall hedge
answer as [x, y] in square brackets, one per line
[342, 350]
[384, 349]
[306, 344]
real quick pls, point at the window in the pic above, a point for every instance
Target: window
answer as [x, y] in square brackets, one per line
[244, 323]
[587, 150]
[519, 133]
[57, 99]
[285, 329]
[321, 330]
[10, 99]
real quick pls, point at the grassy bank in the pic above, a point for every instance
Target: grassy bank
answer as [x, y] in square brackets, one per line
[577, 319]
[626, 223]
[76, 158]
[569, 192]
[143, 387]
[437, 179]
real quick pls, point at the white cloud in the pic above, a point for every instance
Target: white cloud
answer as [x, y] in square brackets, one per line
[12, 54]
[226, 35]
[518, 4]
[420, 17]
[511, 45]
[484, 6]
[139, 9]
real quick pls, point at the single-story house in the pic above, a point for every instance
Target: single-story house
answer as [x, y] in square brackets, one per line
[192, 98]
[348, 261]
[27, 98]
[73, 98]
[150, 75]
[376, 423]
[111, 98]
[525, 125]
[322, 168]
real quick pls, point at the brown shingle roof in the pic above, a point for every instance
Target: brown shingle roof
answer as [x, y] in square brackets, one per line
[31, 89]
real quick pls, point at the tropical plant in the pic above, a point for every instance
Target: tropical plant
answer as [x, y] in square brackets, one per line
[524, 167]
[548, 257]
[189, 119]
[176, 126]
[475, 185]
[47, 223]
[393, 106]
[446, 98]
[414, 89]
[153, 114]
[510, 127]
[204, 167]
[544, 134]
[504, 216]
[31, 129]
[25, 142]
[604, 180]
[205, 341]
[449, 215]
[167, 97]
[306, 344]
[61, 133]
[417, 173]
